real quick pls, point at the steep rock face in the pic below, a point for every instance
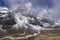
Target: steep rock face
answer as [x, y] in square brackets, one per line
[16, 19]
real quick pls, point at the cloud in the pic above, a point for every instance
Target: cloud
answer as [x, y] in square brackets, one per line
[38, 5]
[55, 10]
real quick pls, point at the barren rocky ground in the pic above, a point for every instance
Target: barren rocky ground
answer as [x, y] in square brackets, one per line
[44, 35]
